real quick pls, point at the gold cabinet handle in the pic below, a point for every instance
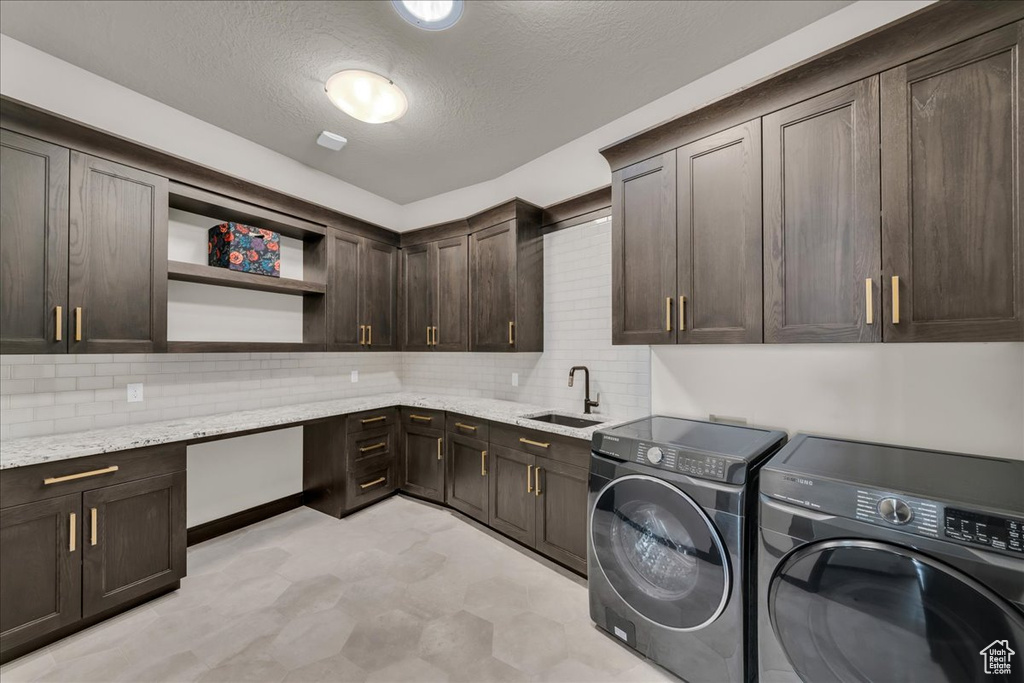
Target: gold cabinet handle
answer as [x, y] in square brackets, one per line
[682, 313]
[78, 324]
[440, 440]
[60, 320]
[80, 475]
[362, 335]
[421, 418]
[369, 335]
[373, 447]
[529, 478]
[895, 299]
[869, 303]
[73, 531]
[92, 535]
[434, 328]
[511, 333]
[428, 335]
[538, 444]
[536, 481]
[668, 314]
[483, 463]
[371, 420]
[373, 483]
[468, 428]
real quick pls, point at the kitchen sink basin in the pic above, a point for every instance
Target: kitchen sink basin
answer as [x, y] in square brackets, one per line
[565, 420]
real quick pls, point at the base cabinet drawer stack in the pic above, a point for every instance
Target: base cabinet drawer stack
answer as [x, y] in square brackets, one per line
[83, 539]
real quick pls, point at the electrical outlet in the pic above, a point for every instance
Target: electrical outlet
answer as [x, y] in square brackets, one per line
[135, 393]
[515, 379]
[355, 376]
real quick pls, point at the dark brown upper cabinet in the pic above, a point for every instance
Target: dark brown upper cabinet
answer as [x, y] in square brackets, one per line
[34, 177]
[644, 252]
[362, 294]
[117, 274]
[822, 252]
[719, 238]
[951, 193]
[506, 290]
[434, 312]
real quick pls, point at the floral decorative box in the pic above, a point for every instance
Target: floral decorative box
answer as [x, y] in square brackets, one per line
[242, 247]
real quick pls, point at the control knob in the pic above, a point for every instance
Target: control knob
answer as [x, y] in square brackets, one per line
[654, 454]
[895, 511]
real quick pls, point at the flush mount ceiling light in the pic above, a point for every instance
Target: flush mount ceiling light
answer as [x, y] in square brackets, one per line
[366, 96]
[432, 15]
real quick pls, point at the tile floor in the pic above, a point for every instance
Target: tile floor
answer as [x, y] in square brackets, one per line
[402, 591]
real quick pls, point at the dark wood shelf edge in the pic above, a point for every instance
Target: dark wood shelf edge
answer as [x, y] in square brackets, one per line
[222, 277]
[240, 347]
[223, 208]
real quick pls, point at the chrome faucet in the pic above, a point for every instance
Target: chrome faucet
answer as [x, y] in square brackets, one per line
[587, 403]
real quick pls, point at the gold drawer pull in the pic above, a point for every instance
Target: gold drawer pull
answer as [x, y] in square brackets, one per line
[362, 335]
[80, 475]
[369, 335]
[529, 478]
[371, 420]
[469, 428]
[78, 324]
[373, 447]
[536, 481]
[895, 299]
[511, 331]
[421, 418]
[439, 442]
[60, 321]
[428, 335]
[668, 314]
[538, 444]
[435, 334]
[72, 518]
[682, 313]
[869, 303]
[483, 463]
[92, 538]
[373, 483]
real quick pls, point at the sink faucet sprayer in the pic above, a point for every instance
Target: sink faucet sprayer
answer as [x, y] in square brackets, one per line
[587, 403]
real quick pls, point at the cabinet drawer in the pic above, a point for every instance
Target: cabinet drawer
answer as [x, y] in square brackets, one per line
[369, 449]
[545, 444]
[464, 425]
[421, 417]
[371, 419]
[20, 485]
[369, 485]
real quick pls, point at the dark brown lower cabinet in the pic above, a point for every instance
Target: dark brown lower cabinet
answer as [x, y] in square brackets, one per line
[467, 488]
[40, 569]
[370, 484]
[512, 505]
[561, 512]
[133, 541]
[422, 462]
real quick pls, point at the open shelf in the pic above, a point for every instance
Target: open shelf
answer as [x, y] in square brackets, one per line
[209, 275]
[213, 205]
[237, 346]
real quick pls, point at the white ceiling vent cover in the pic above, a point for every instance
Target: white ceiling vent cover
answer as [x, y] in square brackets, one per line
[331, 140]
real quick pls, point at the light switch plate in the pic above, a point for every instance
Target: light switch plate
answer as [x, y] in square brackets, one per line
[515, 379]
[355, 376]
[135, 393]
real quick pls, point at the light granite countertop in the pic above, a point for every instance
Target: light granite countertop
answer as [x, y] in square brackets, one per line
[35, 450]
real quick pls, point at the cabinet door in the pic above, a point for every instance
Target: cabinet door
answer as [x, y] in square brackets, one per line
[951, 193]
[419, 290]
[33, 245]
[344, 285]
[133, 538]
[561, 498]
[40, 568]
[492, 290]
[821, 218]
[451, 309]
[117, 275]
[380, 295]
[644, 252]
[422, 465]
[467, 487]
[719, 239]
[513, 509]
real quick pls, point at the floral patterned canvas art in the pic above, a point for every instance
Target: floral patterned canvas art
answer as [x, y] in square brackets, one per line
[245, 248]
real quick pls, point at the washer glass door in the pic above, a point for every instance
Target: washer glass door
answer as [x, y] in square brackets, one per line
[851, 610]
[660, 552]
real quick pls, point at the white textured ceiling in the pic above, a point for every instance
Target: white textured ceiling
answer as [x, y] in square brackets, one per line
[512, 80]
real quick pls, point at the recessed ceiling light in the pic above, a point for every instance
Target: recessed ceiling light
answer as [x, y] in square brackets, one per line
[366, 96]
[432, 15]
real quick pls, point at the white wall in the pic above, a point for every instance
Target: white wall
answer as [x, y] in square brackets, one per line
[957, 397]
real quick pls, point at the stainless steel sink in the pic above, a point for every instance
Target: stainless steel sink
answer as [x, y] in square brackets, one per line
[565, 420]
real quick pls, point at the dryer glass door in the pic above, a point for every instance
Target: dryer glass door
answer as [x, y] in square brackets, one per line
[852, 610]
[660, 552]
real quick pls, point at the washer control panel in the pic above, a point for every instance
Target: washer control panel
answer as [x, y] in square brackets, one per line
[677, 460]
[1002, 533]
[915, 514]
